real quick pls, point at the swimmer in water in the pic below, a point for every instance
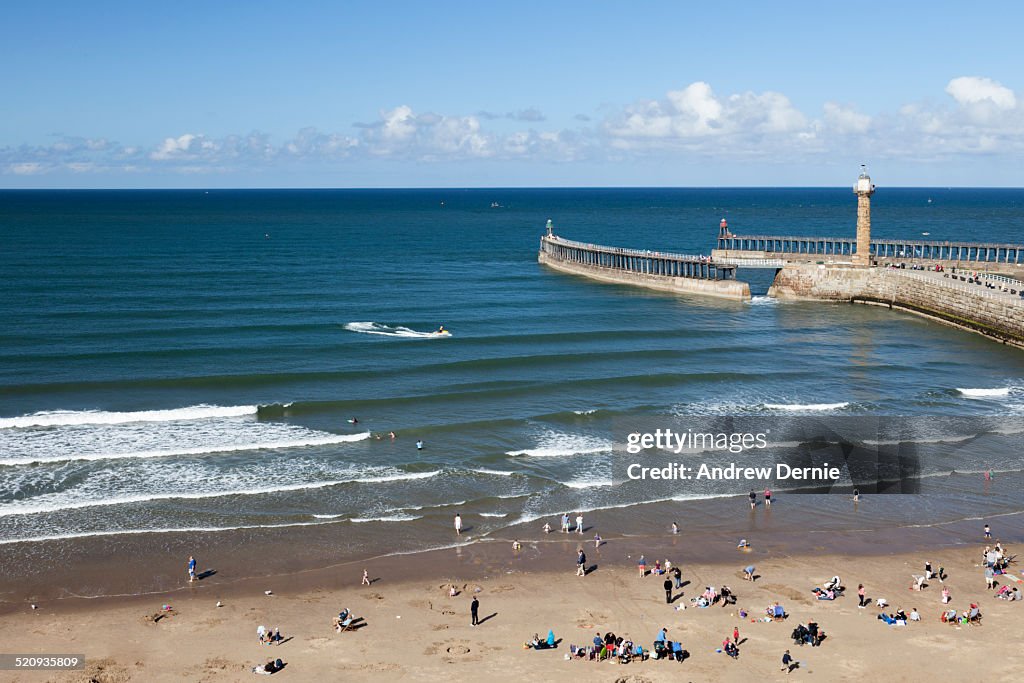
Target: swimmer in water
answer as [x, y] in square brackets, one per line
[354, 420]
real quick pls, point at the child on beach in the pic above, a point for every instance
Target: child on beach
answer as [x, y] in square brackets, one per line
[597, 541]
[988, 532]
[366, 578]
[191, 568]
[641, 565]
[547, 528]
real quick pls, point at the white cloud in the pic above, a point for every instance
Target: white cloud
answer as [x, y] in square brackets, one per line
[25, 168]
[972, 89]
[981, 118]
[696, 119]
[845, 120]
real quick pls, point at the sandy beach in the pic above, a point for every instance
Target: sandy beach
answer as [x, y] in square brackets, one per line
[411, 629]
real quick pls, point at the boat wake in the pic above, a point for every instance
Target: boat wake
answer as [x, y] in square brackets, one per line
[392, 331]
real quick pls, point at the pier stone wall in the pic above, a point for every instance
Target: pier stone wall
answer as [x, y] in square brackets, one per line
[723, 289]
[973, 307]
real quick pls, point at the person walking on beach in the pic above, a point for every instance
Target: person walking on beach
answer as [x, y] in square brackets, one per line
[861, 599]
[753, 499]
[474, 611]
[565, 523]
[668, 590]
[581, 563]
[366, 578]
[579, 523]
[458, 524]
[641, 566]
[191, 569]
[787, 663]
[735, 635]
[677, 577]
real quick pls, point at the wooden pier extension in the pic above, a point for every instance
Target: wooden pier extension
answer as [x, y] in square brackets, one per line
[678, 273]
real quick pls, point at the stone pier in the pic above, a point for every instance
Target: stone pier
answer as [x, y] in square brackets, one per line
[662, 271]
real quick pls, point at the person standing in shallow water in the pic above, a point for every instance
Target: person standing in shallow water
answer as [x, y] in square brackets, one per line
[753, 499]
[458, 524]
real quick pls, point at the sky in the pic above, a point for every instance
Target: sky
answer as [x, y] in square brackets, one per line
[514, 94]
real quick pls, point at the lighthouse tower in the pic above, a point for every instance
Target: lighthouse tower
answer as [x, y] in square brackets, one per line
[863, 189]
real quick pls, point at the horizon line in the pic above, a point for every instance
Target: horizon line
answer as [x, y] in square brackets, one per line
[501, 187]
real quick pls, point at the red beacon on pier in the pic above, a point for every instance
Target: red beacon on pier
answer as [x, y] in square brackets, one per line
[723, 229]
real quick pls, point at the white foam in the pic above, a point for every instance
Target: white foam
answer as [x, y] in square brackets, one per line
[585, 412]
[55, 418]
[392, 518]
[392, 331]
[197, 450]
[589, 483]
[763, 301]
[984, 393]
[42, 504]
[171, 530]
[494, 514]
[806, 406]
[558, 444]
[144, 440]
[484, 470]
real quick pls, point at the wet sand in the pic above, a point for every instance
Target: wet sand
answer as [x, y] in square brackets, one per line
[155, 563]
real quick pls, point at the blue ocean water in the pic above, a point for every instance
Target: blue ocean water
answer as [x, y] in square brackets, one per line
[174, 361]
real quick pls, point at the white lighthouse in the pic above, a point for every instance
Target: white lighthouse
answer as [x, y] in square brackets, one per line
[863, 189]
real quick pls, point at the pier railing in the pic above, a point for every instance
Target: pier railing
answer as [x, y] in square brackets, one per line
[645, 262]
[972, 252]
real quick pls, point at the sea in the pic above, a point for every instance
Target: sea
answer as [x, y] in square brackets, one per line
[187, 371]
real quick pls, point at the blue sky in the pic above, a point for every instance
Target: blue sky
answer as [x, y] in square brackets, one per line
[464, 94]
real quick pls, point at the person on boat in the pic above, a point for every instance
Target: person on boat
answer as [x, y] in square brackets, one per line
[441, 330]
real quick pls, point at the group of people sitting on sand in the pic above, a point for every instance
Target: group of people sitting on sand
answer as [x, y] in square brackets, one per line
[710, 596]
[899, 617]
[1007, 593]
[608, 647]
[668, 649]
[536, 643]
[966, 618]
[830, 590]
[776, 612]
[811, 633]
